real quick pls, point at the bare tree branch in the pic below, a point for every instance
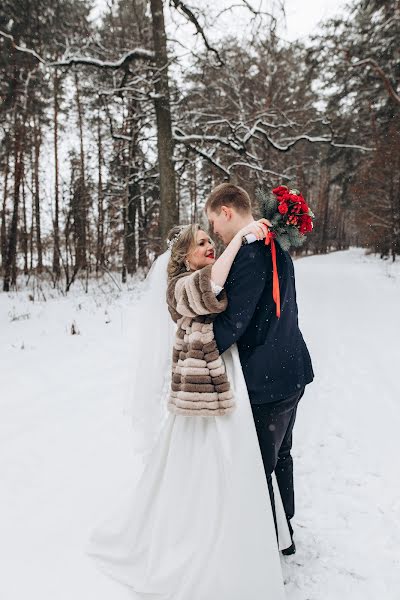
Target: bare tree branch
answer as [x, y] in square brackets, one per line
[22, 48]
[307, 138]
[183, 8]
[208, 156]
[372, 63]
[134, 54]
[179, 136]
[258, 168]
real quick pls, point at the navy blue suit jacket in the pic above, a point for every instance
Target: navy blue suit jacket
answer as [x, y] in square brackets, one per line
[274, 357]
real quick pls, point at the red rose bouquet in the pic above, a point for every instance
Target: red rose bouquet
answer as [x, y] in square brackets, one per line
[289, 213]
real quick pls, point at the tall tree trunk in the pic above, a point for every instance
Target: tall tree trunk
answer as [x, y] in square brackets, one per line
[133, 196]
[77, 202]
[130, 228]
[323, 211]
[3, 230]
[396, 202]
[56, 223]
[142, 239]
[193, 192]
[169, 213]
[125, 222]
[100, 255]
[32, 224]
[80, 195]
[325, 217]
[25, 227]
[13, 232]
[37, 144]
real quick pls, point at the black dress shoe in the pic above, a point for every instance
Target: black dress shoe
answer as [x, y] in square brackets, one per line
[289, 551]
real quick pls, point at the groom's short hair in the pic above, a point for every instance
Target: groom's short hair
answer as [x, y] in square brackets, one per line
[228, 194]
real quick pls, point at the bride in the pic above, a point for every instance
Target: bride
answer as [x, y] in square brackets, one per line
[199, 523]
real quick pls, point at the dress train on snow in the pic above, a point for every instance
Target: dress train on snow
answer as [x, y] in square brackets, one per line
[199, 525]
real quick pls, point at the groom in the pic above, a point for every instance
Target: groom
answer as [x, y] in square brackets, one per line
[274, 357]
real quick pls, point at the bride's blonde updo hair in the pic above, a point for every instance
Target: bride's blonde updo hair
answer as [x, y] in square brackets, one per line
[181, 240]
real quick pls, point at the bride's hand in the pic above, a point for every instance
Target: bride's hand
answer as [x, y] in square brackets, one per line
[258, 228]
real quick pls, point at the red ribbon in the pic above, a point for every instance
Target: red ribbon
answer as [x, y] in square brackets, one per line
[269, 239]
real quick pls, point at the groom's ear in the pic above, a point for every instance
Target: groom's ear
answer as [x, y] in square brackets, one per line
[227, 211]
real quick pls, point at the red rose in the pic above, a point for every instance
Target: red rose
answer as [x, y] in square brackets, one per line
[283, 208]
[304, 207]
[305, 224]
[281, 189]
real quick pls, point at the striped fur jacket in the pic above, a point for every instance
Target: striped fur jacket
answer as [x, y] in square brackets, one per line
[199, 384]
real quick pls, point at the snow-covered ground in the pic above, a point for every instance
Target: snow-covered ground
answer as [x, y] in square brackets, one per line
[66, 454]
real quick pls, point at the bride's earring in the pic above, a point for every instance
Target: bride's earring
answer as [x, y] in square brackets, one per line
[187, 265]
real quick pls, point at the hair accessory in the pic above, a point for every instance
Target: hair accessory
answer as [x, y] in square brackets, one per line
[172, 241]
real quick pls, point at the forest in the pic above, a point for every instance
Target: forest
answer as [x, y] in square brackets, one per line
[115, 129]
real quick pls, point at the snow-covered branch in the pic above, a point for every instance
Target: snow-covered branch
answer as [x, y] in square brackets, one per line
[260, 169]
[239, 141]
[179, 136]
[22, 48]
[240, 144]
[307, 138]
[134, 54]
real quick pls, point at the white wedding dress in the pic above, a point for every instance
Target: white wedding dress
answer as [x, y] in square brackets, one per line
[199, 524]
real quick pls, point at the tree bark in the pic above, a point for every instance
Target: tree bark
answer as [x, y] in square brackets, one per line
[56, 224]
[37, 143]
[133, 196]
[100, 254]
[9, 276]
[25, 228]
[80, 195]
[3, 230]
[142, 239]
[169, 213]
[193, 193]
[32, 223]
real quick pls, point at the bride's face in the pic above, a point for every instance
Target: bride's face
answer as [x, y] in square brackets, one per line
[203, 253]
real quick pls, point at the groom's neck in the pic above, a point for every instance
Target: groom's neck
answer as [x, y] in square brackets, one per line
[241, 222]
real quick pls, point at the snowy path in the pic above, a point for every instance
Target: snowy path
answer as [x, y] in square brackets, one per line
[65, 447]
[347, 433]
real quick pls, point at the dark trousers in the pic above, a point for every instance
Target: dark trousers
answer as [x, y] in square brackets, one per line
[274, 424]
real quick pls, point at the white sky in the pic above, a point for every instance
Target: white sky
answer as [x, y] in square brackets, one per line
[302, 16]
